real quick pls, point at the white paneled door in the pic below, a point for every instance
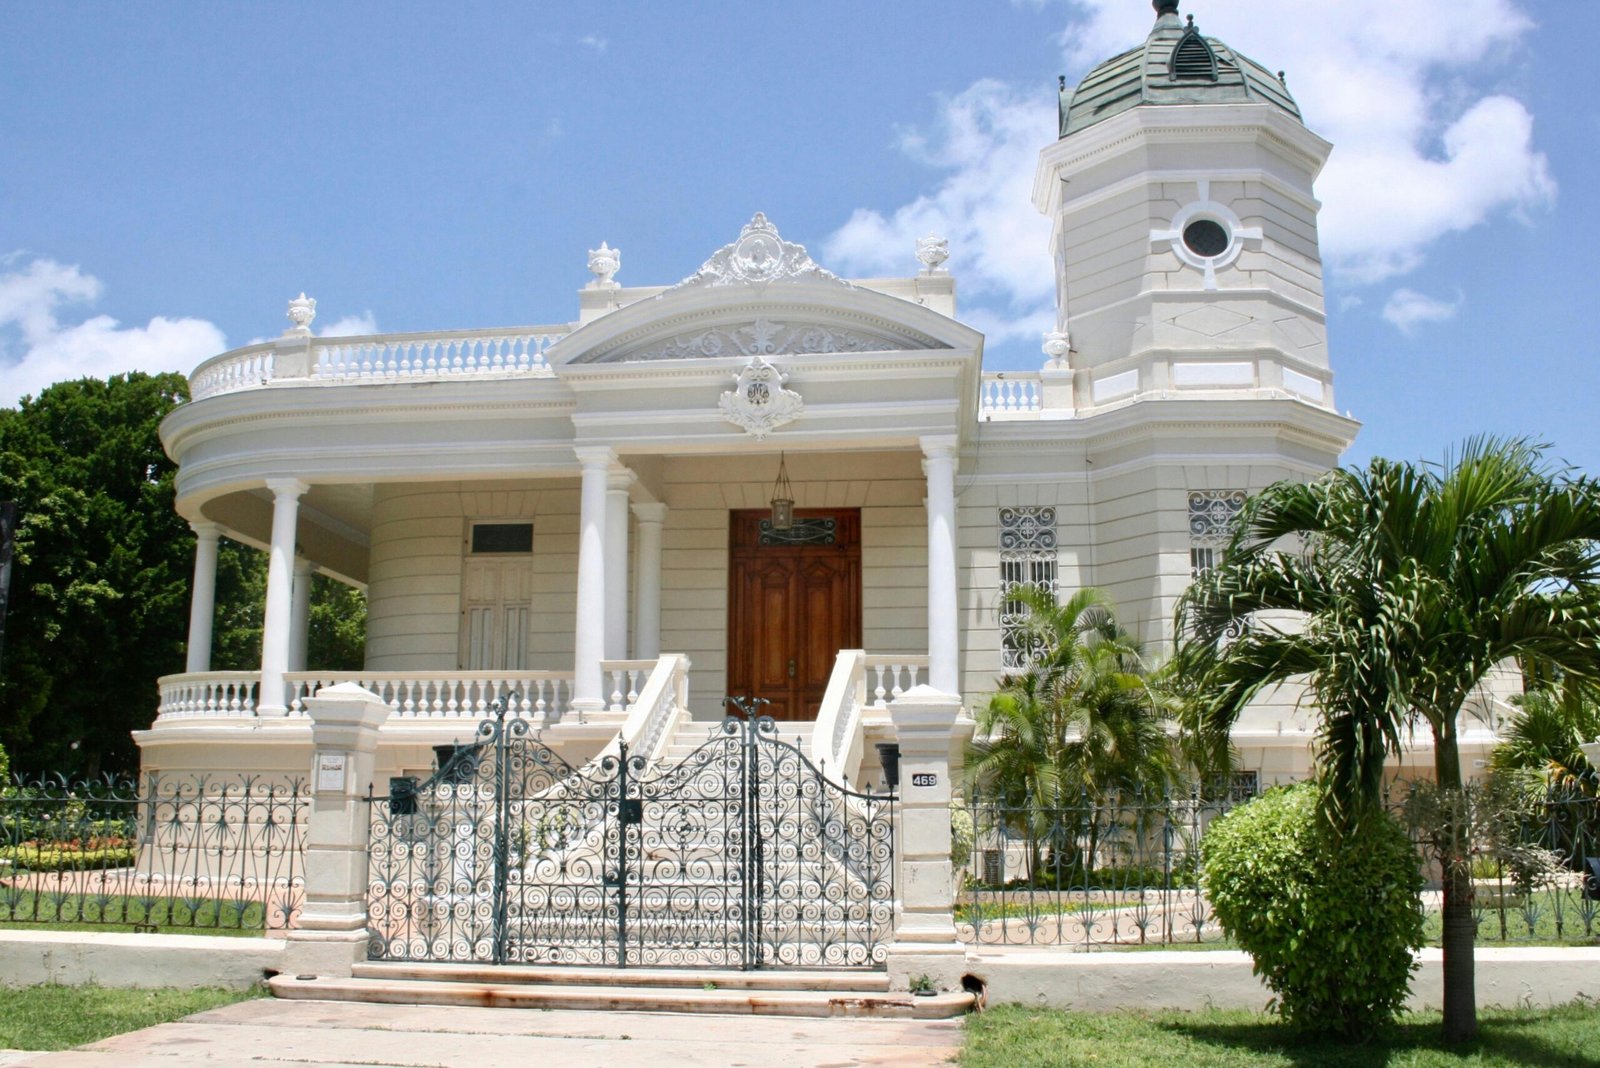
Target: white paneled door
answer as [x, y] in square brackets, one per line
[496, 594]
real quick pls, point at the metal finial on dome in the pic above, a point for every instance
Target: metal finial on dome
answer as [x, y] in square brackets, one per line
[1165, 7]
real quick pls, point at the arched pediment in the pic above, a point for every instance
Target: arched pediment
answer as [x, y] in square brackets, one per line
[760, 328]
[760, 296]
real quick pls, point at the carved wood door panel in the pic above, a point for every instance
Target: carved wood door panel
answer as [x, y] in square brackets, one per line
[794, 602]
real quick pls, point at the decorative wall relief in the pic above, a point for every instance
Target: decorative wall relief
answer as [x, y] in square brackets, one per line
[760, 256]
[758, 401]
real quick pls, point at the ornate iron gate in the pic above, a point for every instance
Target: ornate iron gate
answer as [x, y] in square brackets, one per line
[741, 854]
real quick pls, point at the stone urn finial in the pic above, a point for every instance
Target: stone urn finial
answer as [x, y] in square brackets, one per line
[604, 262]
[933, 252]
[1057, 347]
[302, 310]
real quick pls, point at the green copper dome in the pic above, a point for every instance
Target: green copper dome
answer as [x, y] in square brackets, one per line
[1175, 65]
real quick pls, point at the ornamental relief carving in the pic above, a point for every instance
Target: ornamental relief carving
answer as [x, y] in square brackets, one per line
[763, 337]
[758, 257]
[758, 402]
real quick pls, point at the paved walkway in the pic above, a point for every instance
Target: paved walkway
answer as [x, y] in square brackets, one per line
[327, 1034]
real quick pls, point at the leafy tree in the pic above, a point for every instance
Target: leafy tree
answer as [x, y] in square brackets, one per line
[1406, 584]
[100, 582]
[1083, 726]
[101, 577]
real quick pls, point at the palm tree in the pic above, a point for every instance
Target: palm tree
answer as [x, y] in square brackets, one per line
[1546, 739]
[1405, 585]
[1081, 727]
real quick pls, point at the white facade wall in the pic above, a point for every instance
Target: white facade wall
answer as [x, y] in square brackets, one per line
[419, 540]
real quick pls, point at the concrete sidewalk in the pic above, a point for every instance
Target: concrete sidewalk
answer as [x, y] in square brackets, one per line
[327, 1034]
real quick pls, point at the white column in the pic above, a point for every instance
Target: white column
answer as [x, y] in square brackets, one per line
[617, 483]
[286, 493]
[589, 641]
[300, 614]
[203, 596]
[647, 591]
[944, 647]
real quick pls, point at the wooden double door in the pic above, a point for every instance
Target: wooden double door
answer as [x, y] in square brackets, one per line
[794, 602]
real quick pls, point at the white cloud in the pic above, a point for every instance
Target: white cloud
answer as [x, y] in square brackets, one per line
[1424, 143]
[38, 349]
[987, 141]
[1407, 309]
[351, 326]
[592, 41]
[1420, 151]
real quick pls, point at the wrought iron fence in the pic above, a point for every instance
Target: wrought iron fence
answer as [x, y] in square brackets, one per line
[1128, 872]
[154, 853]
[1086, 874]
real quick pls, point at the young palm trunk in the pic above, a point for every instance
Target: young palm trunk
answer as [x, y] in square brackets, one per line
[1460, 928]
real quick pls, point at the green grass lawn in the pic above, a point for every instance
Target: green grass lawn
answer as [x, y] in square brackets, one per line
[60, 1017]
[1015, 1037]
[59, 911]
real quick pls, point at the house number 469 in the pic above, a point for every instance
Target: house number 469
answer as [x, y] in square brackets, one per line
[925, 778]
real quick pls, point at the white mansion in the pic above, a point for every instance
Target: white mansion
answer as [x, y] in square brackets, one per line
[593, 519]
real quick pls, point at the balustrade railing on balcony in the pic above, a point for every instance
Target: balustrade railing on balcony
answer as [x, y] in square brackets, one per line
[542, 696]
[420, 695]
[437, 355]
[383, 358]
[208, 694]
[245, 368]
[1010, 394]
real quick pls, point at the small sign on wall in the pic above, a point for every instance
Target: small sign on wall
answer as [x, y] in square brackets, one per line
[925, 778]
[330, 771]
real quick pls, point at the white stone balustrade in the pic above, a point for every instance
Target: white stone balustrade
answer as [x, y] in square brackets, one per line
[210, 694]
[1010, 395]
[890, 676]
[382, 358]
[860, 683]
[660, 706]
[388, 357]
[624, 680]
[246, 368]
[541, 696]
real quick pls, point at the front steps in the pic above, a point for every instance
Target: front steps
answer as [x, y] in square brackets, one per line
[759, 993]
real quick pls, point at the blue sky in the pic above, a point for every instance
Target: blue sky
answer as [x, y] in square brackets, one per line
[170, 174]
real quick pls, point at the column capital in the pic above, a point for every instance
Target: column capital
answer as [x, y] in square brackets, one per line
[650, 512]
[940, 446]
[205, 530]
[303, 565]
[619, 479]
[287, 487]
[593, 456]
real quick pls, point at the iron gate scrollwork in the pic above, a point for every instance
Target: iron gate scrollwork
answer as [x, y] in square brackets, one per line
[741, 854]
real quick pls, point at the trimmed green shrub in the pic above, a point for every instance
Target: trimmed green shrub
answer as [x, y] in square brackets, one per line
[32, 856]
[1331, 921]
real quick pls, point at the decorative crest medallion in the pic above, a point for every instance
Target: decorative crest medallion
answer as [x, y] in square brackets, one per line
[759, 256]
[758, 402]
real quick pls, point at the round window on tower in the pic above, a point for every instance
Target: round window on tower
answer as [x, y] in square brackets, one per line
[1207, 238]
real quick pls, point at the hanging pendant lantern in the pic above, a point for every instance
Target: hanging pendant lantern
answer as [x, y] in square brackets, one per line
[782, 499]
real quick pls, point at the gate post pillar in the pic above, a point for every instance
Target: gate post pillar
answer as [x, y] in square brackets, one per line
[331, 932]
[929, 725]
